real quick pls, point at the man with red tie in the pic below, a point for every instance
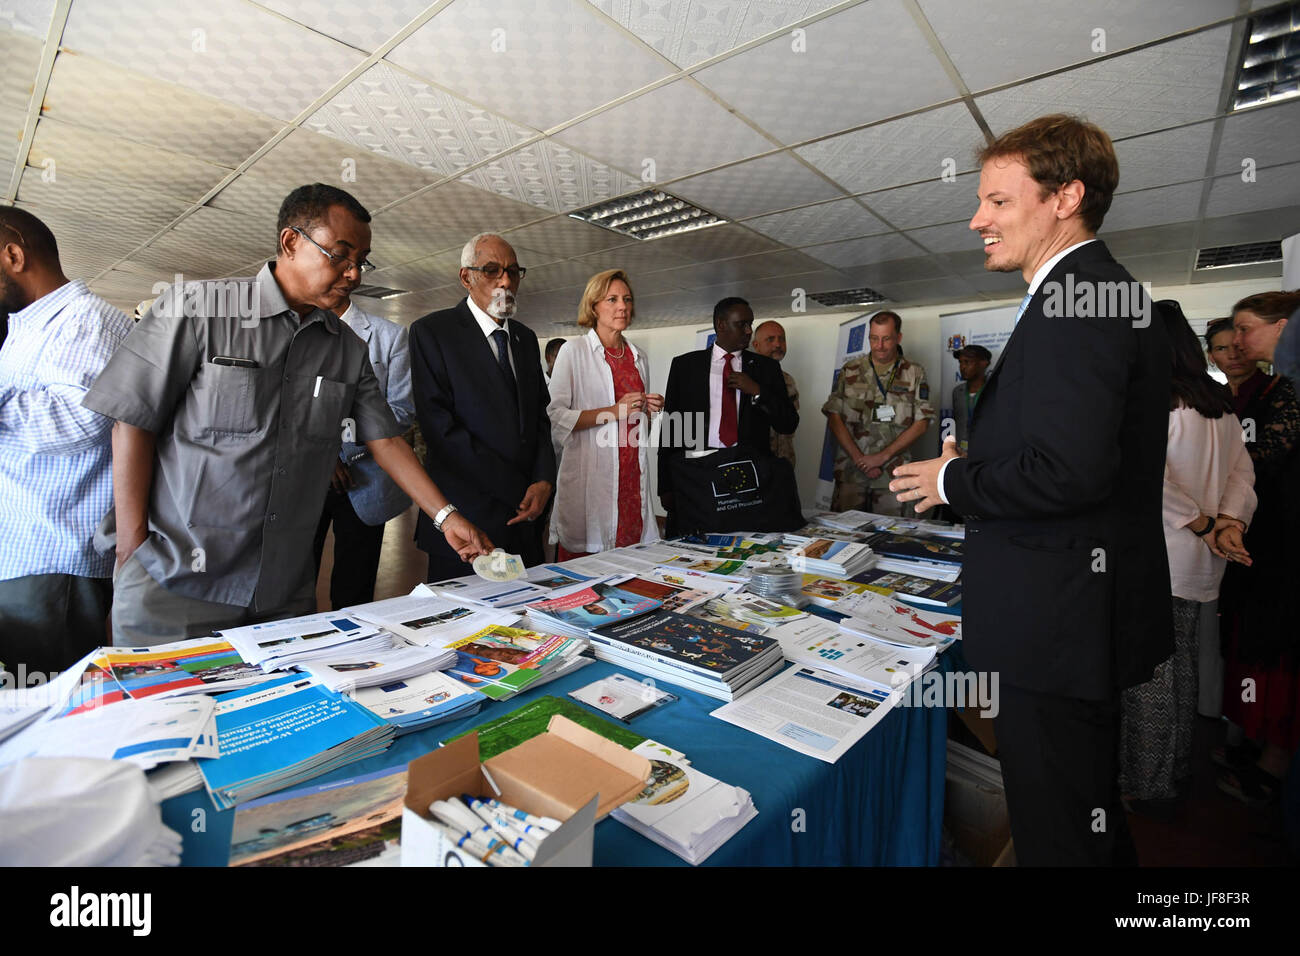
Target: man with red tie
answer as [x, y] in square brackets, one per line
[722, 396]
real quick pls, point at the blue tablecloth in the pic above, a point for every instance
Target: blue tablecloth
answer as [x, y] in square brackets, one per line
[882, 803]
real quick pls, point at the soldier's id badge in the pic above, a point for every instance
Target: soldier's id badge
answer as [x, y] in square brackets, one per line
[884, 413]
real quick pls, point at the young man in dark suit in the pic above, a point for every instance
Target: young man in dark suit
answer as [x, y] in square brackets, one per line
[1066, 577]
[481, 403]
[732, 397]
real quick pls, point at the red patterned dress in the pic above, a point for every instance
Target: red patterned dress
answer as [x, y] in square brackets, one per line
[626, 379]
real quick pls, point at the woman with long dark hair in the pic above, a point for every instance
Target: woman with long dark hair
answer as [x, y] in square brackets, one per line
[1208, 501]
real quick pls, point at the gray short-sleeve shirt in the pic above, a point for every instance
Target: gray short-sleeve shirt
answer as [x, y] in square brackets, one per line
[249, 405]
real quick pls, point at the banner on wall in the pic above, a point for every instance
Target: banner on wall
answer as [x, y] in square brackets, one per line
[852, 343]
[987, 327]
[1291, 263]
[704, 338]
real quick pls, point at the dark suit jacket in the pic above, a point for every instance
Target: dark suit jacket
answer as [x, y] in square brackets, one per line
[1066, 577]
[688, 393]
[485, 449]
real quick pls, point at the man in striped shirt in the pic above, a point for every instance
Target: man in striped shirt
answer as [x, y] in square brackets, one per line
[56, 479]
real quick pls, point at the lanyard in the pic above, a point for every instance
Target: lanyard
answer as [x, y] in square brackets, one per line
[884, 389]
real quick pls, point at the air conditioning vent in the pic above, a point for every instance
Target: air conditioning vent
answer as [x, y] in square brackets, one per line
[863, 296]
[1242, 254]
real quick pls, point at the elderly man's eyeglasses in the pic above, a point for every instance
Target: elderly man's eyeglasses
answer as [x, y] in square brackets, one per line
[365, 265]
[493, 271]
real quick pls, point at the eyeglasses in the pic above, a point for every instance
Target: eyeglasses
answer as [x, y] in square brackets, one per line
[365, 265]
[493, 271]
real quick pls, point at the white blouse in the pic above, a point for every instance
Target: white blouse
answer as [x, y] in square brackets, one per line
[1207, 471]
[585, 517]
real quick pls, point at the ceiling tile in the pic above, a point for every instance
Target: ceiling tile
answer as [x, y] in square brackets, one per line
[838, 219]
[28, 17]
[208, 244]
[561, 275]
[232, 51]
[1260, 226]
[942, 289]
[256, 198]
[552, 176]
[395, 115]
[1165, 85]
[767, 265]
[637, 258]
[1160, 158]
[902, 151]
[1268, 135]
[1161, 267]
[364, 26]
[305, 157]
[754, 187]
[857, 252]
[787, 287]
[678, 127]
[927, 204]
[1272, 188]
[431, 272]
[1153, 207]
[717, 242]
[94, 155]
[953, 237]
[688, 31]
[21, 56]
[908, 269]
[991, 44]
[536, 61]
[771, 83]
[1150, 239]
[563, 238]
[152, 112]
[84, 197]
[116, 235]
[442, 218]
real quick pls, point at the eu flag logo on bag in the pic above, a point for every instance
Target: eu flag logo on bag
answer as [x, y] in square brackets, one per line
[735, 479]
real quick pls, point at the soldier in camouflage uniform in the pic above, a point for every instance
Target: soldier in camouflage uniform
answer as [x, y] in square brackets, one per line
[880, 407]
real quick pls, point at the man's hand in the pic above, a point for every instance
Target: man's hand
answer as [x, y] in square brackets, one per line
[535, 499]
[461, 533]
[341, 481]
[918, 481]
[126, 545]
[743, 382]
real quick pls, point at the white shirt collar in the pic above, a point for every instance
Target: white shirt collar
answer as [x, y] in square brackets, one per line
[719, 352]
[1047, 266]
[485, 321]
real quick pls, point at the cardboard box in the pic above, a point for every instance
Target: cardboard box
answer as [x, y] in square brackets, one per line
[568, 773]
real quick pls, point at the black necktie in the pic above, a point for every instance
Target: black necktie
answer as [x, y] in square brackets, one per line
[503, 359]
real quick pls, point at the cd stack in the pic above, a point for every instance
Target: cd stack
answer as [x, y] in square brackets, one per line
[778, 582]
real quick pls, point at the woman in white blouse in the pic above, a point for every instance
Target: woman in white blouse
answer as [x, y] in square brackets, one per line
[600, 421]
[1209, 499]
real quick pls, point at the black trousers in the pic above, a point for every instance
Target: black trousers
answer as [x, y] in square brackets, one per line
[1060, 765]
[356, 551]
[48, 622]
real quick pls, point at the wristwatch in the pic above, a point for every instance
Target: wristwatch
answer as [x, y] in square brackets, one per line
[1207, 529]
[441, 516]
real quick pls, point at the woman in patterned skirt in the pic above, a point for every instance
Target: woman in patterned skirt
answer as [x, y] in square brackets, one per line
[600, 421]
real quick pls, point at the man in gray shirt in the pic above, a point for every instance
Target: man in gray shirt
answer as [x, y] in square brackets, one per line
[232, 398]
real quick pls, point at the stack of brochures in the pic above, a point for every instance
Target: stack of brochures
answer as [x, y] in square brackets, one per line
[921, 553]
[202, 665]
[500, 661]
[285, 732]
[348, 670]
[829, 556]
[685, 811]
[894, 622]
[279, 645]
[920, 590]
[700, 655]
[420, 702]
[425, 618]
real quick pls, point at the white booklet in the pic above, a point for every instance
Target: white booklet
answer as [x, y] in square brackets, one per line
[812, 711]
[425, 618]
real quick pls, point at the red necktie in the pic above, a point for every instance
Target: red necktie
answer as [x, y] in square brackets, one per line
[727, 431]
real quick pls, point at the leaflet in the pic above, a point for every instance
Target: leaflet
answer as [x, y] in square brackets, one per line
[425, 618]
[811, 711]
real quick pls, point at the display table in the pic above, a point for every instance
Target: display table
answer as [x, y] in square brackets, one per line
[881, 804]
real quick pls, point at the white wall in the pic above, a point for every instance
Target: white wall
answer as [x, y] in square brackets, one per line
[813, 339]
